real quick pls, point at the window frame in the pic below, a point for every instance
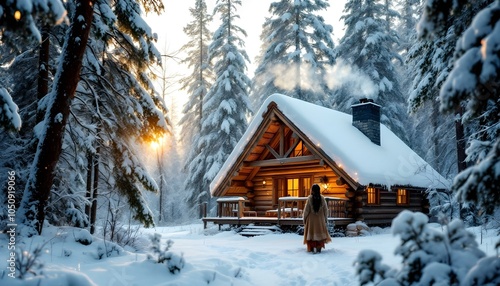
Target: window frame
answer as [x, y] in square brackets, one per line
[400, 197]
[375, 192]
[281, 186]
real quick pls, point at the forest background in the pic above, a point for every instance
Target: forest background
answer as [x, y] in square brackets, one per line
[82, 121]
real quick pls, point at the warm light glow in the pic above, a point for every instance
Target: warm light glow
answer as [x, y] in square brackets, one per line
[484, 46]
[158, 143]
[371, 195]
[264, 182]
[402, 196]
[325, 186]
[17, 15]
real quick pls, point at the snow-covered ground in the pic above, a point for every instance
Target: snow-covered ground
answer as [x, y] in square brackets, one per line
[211, 257]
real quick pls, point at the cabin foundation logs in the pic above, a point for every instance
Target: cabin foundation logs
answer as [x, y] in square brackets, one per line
[351, 205]
[355, 205]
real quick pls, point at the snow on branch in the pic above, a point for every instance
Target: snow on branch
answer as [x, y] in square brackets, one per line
[9, 116]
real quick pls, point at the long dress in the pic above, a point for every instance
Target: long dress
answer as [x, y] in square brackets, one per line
[315, 229]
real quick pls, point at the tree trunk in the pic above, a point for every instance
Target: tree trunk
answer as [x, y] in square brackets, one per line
[461, 146]
[36, 194]
[93, 211]
[88, 192]
[43, 70]
[297, 59]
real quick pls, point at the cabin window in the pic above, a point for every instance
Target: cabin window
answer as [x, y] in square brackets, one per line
[292, 187]
[306, 187]
[372, 196]
[402, 197]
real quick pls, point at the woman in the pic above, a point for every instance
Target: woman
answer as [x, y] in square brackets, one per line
[315, 217]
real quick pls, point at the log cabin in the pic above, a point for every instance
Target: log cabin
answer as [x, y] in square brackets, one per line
[365, 171]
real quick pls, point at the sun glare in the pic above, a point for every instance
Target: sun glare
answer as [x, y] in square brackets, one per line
[158, 143]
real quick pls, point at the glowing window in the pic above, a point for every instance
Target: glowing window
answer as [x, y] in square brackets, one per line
[372, 196]
[402, 198]
[293, 187]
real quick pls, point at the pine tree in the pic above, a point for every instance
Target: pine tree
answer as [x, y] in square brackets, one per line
[17, 153]
[197, 85]
[19, 20]
[226, 106]
[120, 105]
[296, 54]
[472, 82]
[368, 45]
[433, 135]
[201, 77]
[56, 106]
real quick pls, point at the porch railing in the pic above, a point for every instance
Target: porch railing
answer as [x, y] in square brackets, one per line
[288, 207]
[231, 207]
[292, 207]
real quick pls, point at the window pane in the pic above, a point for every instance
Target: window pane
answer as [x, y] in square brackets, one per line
[306, 186]
[402, 196]
[293, 187]
[372, 196]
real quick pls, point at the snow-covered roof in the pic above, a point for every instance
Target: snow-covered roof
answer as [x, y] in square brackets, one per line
[391, 163]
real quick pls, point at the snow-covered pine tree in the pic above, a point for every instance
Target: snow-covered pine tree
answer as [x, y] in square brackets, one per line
[431, 60]
[368, 45]
[32, 211]
[430, 256]
[297, 51]
[473, 83]
[119, 106]
[225, 107]
[201, 78]
[17, 145]
[20, 19]
[197, 84]
[433, 135]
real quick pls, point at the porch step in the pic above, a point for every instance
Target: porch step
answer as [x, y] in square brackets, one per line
[255, 230]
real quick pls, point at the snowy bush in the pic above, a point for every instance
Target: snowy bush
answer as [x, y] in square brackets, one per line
[84, 237]
[443, 204]
[108, 249]
[28, 262]
[174, 262]
[67, 252]
[430, 257]
[76, 216]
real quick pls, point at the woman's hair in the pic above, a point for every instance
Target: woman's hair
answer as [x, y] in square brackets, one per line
[316, 197]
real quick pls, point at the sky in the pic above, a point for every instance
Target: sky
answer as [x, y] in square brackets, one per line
[213, 257]
[171, 37]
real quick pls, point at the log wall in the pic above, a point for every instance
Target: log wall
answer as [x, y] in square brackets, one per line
[383, 213]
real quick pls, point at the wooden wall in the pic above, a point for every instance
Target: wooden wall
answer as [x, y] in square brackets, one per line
[383, 213]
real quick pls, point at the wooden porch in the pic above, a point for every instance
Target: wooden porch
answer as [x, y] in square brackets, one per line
[233, 211]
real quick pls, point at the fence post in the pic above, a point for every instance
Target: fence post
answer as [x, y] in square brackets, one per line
[203, 207]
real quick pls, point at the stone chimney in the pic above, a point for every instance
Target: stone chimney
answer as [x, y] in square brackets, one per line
[366, 117]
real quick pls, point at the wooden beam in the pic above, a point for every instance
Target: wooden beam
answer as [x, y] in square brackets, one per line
[284, 161]
[282, 141]
[292, 148]
[289, 170]
[270, 149]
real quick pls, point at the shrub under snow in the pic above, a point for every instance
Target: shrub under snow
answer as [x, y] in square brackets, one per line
[430, 257]
[174, 262]
[84, 237]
